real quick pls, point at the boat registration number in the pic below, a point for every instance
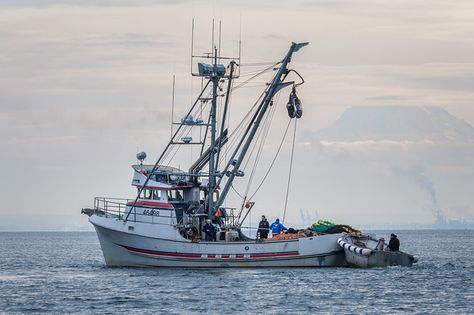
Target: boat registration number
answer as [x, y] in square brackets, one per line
[151, 212]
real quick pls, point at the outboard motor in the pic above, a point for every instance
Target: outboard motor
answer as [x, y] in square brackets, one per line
[294, 107]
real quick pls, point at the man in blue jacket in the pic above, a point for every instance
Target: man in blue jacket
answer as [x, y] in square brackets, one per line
[277, 227]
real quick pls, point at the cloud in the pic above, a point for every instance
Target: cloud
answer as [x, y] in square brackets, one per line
[84, 83]
[101, 3]
[386, 98]
[372, 145]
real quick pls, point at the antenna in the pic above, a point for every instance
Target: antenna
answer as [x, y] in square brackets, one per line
[220, 40]
[205, 66]
[192, 44]
[172, 106]
[240, 36]
[212, 41]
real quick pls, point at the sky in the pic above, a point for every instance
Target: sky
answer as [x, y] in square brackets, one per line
[85, 85]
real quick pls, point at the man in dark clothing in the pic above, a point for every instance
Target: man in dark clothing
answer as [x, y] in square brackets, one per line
[263, 228]
[394, 244]
[210, 231]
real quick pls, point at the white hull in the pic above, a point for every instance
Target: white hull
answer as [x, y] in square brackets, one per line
[146, 247]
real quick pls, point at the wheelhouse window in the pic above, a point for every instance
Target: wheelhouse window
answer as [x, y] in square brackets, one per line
[154, 194]
[157, 194]
[175, 195]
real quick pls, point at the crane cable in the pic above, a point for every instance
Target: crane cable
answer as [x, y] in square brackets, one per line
[272, 163]
[291, 167]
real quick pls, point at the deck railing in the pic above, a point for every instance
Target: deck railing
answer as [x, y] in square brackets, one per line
[116, 208]
[110, 207]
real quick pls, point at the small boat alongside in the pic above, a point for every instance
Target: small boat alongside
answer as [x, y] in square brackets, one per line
[365, 251]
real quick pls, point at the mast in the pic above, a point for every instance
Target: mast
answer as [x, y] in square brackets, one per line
[276, 85]
[212, 153]
[226, 107]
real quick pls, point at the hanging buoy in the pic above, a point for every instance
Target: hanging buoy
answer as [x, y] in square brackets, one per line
[299, 107]
[294, 106]
[291, 109]
[291, 106]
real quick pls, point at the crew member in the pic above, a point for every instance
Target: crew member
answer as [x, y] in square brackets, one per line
[263, 228]
[210, 231]
[218, 217]
[277, 227]
[394, 244]
[193, 234]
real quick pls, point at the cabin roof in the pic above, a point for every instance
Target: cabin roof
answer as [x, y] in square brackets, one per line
[161, 169]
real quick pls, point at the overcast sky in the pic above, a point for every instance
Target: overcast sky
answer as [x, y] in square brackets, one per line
[84, 85]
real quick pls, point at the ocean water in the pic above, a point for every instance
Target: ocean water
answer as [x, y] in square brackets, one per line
[52, 272]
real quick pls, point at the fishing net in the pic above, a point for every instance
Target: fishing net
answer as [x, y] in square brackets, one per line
[328, 227]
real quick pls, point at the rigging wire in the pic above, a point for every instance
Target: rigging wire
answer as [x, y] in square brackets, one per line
[262, 138]
[273, 161]
[256, 75]
[264, 134]
[234, 136]
[188, 129]
[291, 167]
[174, 149]
[240, 129]
[235, 190]
[169, 154]
[263, 63]
[258, 137]
[185, 132]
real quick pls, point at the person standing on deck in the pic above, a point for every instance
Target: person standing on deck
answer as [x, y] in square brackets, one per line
[263, 228]
[394, 244]
[277, 227]
[210, 230]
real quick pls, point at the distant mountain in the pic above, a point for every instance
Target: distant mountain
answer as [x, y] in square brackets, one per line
[397, 123]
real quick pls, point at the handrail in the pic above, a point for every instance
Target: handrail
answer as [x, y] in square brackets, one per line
[117, 208]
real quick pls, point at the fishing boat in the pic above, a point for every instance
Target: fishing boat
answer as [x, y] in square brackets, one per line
[366, 251]
[164, 225]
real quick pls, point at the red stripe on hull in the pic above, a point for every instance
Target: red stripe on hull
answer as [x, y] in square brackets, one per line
[265, 255]
[152, 252]
[210, 256]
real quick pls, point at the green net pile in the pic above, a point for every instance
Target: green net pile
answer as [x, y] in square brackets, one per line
[324, 226]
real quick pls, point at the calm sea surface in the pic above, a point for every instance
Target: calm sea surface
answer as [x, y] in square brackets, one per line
[65, 273]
